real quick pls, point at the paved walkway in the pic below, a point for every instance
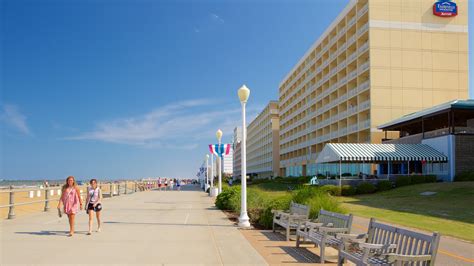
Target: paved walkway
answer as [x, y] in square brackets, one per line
[151, 227]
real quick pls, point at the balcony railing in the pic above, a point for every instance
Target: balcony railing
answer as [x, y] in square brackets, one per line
[364, 124]
[352, 57]
[352, 75]
[363, 29]
[363, 48]
[364, 67]
[352, 21]
[363, 10]
[364, 105]
[365, 85]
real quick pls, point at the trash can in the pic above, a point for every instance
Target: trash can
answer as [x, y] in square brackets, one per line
[213, 192]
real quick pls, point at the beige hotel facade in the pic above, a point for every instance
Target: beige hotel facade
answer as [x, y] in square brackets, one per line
[263, 149]
[379, 60]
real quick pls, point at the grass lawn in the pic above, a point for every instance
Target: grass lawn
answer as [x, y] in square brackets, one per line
[450, 211]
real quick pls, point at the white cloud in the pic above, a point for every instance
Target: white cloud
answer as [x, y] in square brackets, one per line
[178, 125]
[11, 116]
[216, 18]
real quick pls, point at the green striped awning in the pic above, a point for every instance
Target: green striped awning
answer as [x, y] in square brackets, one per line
[362, 152]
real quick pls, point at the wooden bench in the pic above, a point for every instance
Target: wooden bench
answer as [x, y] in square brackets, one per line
[388, 245]
[290, 220]
[322, 232]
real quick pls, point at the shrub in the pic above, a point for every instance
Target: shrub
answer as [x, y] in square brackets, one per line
[418, 179]
[431, 178]
[348, 190]
[384, 185]
[303, 179]
[366, 188]
[401, 181]
[320, 176]
[464, 176]
[332, 190]
[266, 217]
[317, 199]
[223, 200]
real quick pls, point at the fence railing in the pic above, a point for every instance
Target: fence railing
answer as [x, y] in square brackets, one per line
[109, 189]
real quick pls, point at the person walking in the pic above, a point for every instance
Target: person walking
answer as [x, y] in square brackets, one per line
[171, 184]
[70, 199]
[94, 197]
[178, 184]
[159, 183]
[166, 184]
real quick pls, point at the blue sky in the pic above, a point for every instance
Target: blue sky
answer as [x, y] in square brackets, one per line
[137, 88]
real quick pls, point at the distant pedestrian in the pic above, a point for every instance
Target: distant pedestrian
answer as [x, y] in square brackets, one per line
[159, 184]
[71, 201]
[171, 184]
[166, 184]
[178, 184]
[93, 204]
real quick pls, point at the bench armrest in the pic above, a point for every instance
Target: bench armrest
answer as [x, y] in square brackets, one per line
[298, 217]
[392, 257]
[377, 246]
[277, 211]
[333, 230]
[353, 237]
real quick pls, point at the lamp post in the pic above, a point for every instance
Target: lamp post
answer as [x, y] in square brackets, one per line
[219, 159]
[207, 170]
[212, 171]
[244, 94]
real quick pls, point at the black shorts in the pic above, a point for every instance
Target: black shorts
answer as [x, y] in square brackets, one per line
[90, 207]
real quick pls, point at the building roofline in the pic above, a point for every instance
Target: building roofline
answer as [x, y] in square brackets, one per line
[334, 23]
[455, 104]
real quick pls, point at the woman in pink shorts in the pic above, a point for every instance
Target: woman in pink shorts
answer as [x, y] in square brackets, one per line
[71, 201]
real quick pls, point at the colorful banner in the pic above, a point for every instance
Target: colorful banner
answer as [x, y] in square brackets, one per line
[224, 149]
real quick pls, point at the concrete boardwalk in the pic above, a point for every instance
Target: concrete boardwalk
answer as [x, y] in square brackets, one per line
[154, 228]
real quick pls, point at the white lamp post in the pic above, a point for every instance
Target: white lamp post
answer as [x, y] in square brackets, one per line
[244, 94]
[207, 170]
[212, 171]
[219, 159]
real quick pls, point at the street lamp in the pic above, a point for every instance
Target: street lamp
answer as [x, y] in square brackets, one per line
[244, 94]
[207, 171]
[219, 138]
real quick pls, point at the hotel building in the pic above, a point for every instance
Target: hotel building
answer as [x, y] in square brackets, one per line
[236, 159]
[379, 60]
[263, 149]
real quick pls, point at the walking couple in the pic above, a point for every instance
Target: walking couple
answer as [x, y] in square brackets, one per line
[72, 202]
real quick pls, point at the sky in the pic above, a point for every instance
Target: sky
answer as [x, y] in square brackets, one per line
[137, 88]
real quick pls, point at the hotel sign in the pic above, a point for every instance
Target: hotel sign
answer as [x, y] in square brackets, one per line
[445, 9]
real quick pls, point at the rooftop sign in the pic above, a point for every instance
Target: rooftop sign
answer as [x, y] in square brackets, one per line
[445, 9]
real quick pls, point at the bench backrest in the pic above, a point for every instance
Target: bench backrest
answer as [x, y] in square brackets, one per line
[299, 209]
[408, 242]
[337, 219]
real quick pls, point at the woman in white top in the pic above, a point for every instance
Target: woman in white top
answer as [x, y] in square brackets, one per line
[94, 196]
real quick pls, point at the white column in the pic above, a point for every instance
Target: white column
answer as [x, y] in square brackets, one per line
[212, 170]
[244, 218]
[220, 168]
[207, 169]
[340, 174]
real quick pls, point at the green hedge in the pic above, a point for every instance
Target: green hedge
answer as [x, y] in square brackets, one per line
[464, 176]
[260, 203]
[332, 190]
[401, 181]
[384, 185]
[366, 188]
[348, 190]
